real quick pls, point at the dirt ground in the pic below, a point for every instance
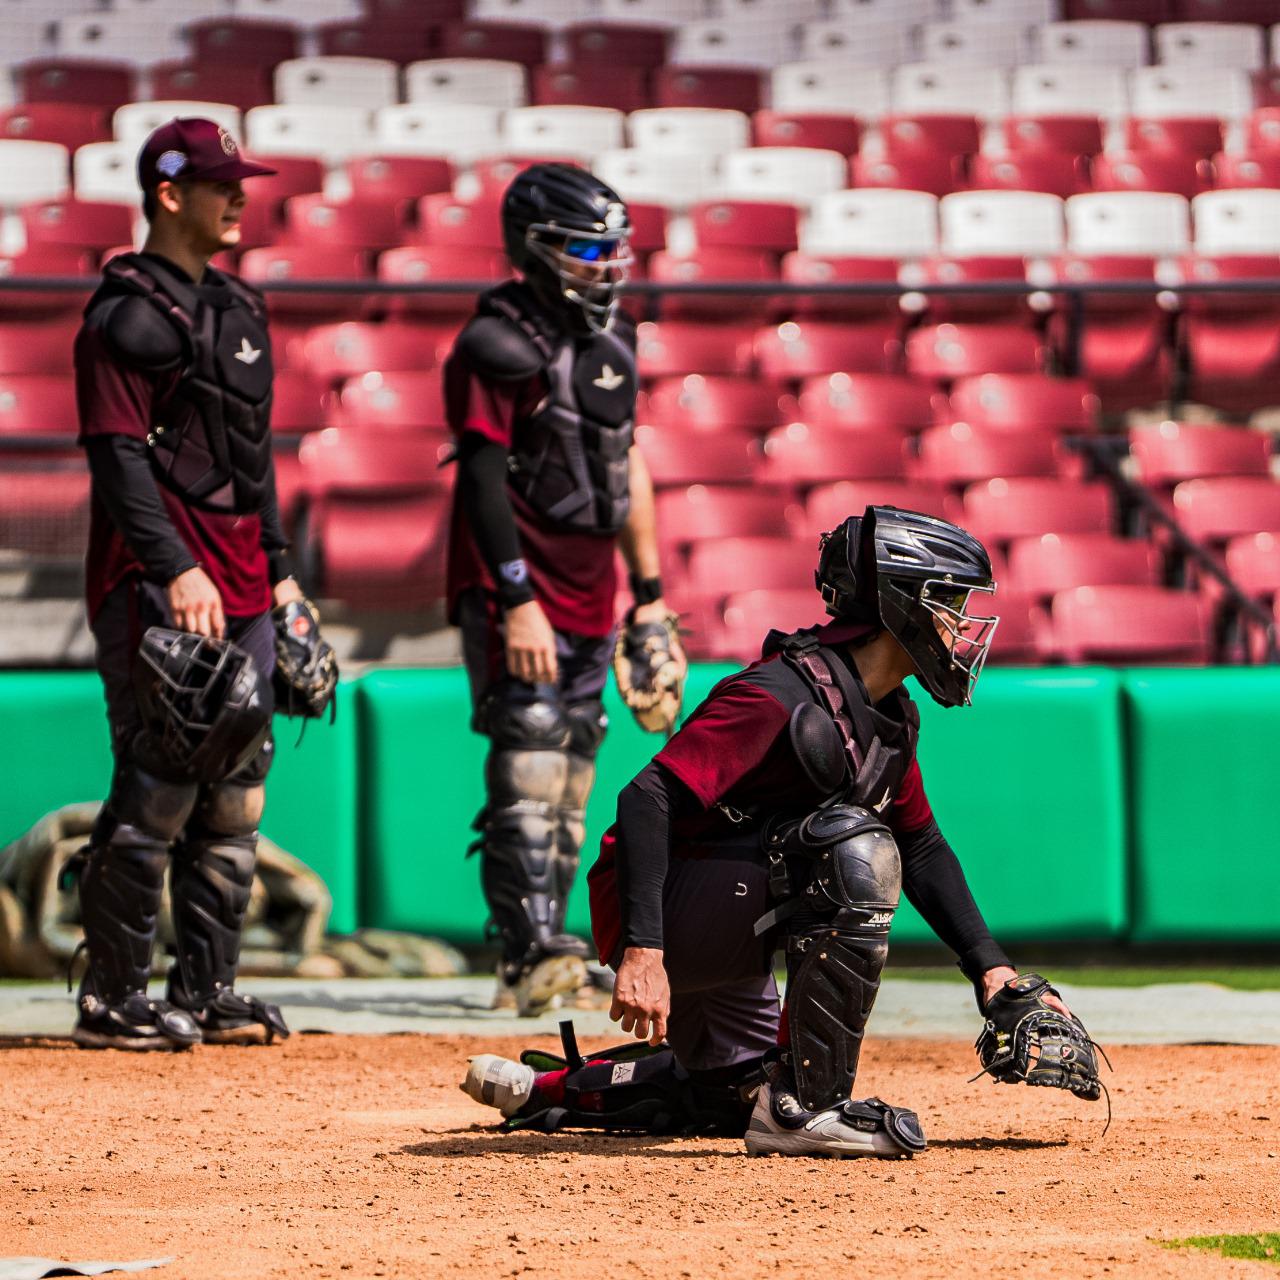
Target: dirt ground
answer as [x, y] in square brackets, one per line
[358, 1156]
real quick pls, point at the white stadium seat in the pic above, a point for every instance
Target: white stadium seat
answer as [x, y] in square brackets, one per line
[1027, 12]
[835, 87]
[133, 122]
[862, 44]
[974, 44]
[676, 179]
[459, 130]
[1236, 222]
[547, 13]
[302, 13]
[1165, 92]
[1025, 223]
[25, 34]
[562, 131]
[1211, 44]
[119, 37]
[756, 43]
[872, 223]
[903, 12]
[931, 88]
[483, 82]
[330, 134]
[347, 82]
[707, 130]
[663, 13]
[31, 171]
[1056, 89]
[105, 171]
[1128, 222]
[1096, 44]
[799, 174]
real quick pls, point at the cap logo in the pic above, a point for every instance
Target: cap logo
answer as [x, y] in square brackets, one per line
[228, 142]
[615, 217]
[171, 163]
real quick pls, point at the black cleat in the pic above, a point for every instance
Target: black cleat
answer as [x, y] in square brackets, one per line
[136, 1022]
[231, 1017]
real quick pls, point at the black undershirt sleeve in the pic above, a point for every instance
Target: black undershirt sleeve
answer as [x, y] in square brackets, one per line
[482, 490]
[124, 481]
[935, 885]
[645, 809]
[273, 539]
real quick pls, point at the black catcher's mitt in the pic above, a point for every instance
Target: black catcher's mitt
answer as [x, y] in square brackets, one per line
[1026, 1040]
[306, 672]
[650, 669]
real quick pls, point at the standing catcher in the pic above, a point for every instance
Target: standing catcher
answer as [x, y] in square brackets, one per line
[186, 560]
[787, 814]
[540, 394]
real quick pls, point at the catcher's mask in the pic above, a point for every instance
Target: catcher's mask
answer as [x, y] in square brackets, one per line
[569, 234]
[920, 578]
[206, 709]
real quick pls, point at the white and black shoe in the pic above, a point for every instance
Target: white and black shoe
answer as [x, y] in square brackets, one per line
[499, 1082]
[781, 1126]
[135, 1023]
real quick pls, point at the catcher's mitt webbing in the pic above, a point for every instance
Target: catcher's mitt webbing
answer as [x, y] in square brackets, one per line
[306, 674]
[1027, 1041]
[649, 674]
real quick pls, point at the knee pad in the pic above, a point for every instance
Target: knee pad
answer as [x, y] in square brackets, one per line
[540, 725]
[229, 809]
[153, 805]
[588, 724]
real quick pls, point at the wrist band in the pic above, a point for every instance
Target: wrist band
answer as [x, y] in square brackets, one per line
[645, 590]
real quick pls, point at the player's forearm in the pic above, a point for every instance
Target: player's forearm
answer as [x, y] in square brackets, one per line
[644, 852]
[638, 540]
[935, 885]
[273, 539]
[482, 484]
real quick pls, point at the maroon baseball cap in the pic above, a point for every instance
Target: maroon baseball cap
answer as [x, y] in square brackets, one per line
[193, 150]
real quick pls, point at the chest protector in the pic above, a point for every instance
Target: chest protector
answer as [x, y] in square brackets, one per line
[210, 441]
[569, 457]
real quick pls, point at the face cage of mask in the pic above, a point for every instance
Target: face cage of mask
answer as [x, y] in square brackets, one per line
[970, 634]
[597, 299]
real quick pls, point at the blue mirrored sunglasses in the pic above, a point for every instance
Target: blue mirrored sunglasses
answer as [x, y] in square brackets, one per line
[590, 250]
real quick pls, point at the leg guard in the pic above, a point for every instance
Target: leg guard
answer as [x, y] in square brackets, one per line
[525, 775]
[587, 726]
[837, 943]
[122, 878]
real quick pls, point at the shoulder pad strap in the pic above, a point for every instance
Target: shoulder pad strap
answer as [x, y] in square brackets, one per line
[246, 293]
[496, 347]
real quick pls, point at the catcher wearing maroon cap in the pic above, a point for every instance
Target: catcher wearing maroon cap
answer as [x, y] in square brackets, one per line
[787, 814]
[173, 382]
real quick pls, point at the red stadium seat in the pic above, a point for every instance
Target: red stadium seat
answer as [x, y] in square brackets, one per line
[1148, 11]
[1055, 172]
[106, 85]
[38, 405]
[245, 86]
[82, 223]
[728, 88]
[724, 457]
[745, 224]
[932, 171]
[1258, 12]
[1167, 453]
[1258, 169]
[335, 352]
[403, 400]
[1221, 508]
[708, 266]
[71, 124]
[44, 511]
[505, 41]
[1016, 639]
[719, 567]
[297, 406]
[294, 176]
[1175, 171]
[1253, 562]
[971, 270]
[910, 135]
[43, 347]
[711, 403]
[1129, 625]
[1022, 507]
[677, 347]
[280, 263]
[346, 224]
[827, 505]
[867, 402]
[795, 349]
[402, 40]
[591, 84]
[718, 511]
[443, 220]
[49, 260]
[418, 264]
[749, 616]
[1074, 135]
[1262, 133]
[1025, 402]
[243, 42]
[1042, 566]
[798, 129]
[799, 454]
[811, 269]
[1184, 135]
[944, 352]
[617, 44]
[494, 173]
[959, 454]
[648, 227]
[392, 178]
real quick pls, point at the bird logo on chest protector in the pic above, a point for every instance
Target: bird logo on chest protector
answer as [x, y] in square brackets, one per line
[248, 353]
[608, 380]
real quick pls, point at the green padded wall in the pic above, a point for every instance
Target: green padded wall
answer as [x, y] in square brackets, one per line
[54, 751]
[1205, 756]
[1028, 785]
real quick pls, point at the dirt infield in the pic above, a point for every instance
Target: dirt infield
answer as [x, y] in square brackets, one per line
[358, 1156]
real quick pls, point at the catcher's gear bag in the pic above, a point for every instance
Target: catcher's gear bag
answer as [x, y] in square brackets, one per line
[1025, 1040]
[649, 672]
[306, 674]
[206, 710]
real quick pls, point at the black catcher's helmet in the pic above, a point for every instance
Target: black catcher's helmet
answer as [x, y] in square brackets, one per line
[916, 576]
[569, 234]
[206, 709]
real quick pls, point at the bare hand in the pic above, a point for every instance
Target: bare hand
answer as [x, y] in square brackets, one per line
[286, 591]
[994, 979]
[531, 644]
[642, 995]
[195, 604]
